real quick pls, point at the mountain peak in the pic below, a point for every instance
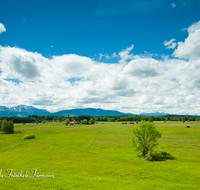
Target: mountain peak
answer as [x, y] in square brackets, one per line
[21, 108]
[3, 108]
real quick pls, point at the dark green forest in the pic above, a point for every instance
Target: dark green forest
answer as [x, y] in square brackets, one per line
[39, 119]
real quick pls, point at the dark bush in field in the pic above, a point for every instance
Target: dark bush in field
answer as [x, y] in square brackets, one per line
[29, 137]
[7, 127]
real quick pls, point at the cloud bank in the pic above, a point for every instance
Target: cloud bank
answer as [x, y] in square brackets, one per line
[136, 83]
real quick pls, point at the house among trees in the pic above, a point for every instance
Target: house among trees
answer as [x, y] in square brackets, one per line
[73, 123]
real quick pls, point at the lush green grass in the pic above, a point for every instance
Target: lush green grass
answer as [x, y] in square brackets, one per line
[99, 157]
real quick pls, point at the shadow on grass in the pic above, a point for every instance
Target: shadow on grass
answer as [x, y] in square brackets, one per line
[167, 158]
[160, 156]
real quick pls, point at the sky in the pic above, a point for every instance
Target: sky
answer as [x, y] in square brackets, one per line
[134, 56]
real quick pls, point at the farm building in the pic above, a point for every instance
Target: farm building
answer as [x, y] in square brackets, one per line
[131, 122]
[73, 123]
[187, 126]
[124, 122]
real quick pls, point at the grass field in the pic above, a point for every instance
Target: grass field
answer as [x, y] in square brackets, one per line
[98, 156]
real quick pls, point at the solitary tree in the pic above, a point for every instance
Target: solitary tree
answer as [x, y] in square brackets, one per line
[7, 127]
[66, 121]
[145, 137]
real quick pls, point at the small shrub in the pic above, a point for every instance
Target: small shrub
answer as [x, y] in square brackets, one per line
[154, 156]
[29, 137]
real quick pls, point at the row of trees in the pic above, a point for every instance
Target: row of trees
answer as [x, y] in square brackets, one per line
[149, 118]
[39, 119]
[84, 121]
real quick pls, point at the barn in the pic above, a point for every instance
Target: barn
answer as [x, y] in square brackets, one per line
[73, 123]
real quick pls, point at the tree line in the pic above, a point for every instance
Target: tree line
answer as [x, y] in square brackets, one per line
[39, 119]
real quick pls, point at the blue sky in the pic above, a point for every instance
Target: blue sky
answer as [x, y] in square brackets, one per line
[40, 39]
[92, 27]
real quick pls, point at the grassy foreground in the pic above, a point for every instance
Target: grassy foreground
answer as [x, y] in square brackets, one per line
[98, 157]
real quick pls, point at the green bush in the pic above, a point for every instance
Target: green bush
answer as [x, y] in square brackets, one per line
[154, 156]
[29, 137]
[7, 127]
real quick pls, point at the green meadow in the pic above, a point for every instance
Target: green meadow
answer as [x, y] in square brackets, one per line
[98, 156]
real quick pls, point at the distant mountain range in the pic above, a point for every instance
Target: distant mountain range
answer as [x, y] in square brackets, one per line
[154, 114]
[22, 111]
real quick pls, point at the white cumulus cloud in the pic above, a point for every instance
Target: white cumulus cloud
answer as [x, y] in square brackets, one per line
[2, 28]
[190, 48]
